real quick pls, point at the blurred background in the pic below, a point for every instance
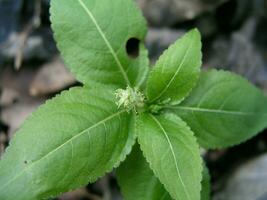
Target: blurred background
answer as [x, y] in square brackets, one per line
[234, 38]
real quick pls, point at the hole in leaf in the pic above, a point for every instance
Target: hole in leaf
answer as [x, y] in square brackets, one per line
[132, 47]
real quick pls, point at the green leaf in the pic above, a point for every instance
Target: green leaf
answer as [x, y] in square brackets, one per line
[142, 183]
[177, 70]
[92, 36]
[70, 141]
[223, 110]
[205, 183]
[171, 149]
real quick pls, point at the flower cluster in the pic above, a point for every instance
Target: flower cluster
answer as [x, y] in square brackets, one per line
[130, 98]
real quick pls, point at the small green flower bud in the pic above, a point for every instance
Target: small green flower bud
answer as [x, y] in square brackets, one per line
[130, 98]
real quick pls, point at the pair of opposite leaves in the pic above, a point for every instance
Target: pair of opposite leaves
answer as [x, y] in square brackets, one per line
[80, 134]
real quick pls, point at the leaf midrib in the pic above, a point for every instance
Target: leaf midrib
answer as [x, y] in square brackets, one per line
[175, 74]
[102, 34]
[60, 146]
[217, 111]
[173, 154]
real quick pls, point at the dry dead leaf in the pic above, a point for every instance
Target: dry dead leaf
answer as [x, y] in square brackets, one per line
[17, 81]
[51, 78]
[15, 114]
[8, 96]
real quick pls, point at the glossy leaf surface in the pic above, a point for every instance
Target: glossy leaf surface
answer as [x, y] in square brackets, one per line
[137, 180]
[173, 154]
[71, 140]
[224, 109]
[177, 70]
[92, 36]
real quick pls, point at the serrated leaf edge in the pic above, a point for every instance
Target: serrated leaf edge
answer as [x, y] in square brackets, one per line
[123, 154]
[163, 55]
[241, 78]
[195, 139]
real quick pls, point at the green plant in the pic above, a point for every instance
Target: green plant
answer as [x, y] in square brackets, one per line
[85, 132]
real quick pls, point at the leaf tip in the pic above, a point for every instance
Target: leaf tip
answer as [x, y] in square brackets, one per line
[195, 33]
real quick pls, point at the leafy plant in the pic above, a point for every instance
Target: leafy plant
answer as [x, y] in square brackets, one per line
[85, 132]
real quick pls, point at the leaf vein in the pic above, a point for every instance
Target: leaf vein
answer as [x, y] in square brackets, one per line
[173, 154]
[217, 111]
[176, 73]
[66, 142]
[102, 34]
